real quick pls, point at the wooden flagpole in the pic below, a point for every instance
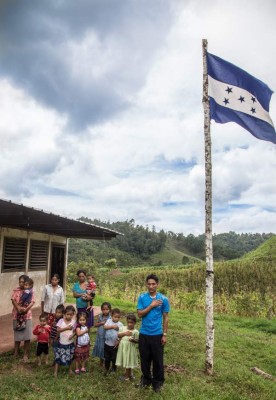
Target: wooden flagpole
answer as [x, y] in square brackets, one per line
[210, 329]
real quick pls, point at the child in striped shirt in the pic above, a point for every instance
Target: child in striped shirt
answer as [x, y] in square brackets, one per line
[54, 333]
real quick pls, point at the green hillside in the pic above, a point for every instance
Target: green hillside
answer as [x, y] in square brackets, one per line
[171, 256]
[265, 252]
[244, 286]
[231, 277]
[142, 246]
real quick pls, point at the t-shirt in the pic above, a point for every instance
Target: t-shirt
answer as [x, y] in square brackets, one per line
[42, 333]
[84, 339]
[64, 336]
[26, 297]
[54, 332]
[91, 287]
[111, 335]
[79, 301]
[152, 322]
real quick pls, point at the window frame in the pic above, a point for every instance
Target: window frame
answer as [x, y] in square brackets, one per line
[5, 257]
[39, 267]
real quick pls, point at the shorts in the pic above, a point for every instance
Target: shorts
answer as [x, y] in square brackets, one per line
[42, 348]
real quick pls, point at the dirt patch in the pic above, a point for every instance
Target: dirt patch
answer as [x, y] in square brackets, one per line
[22, 368]
[115, 272]
[186, 336]
[172, 369]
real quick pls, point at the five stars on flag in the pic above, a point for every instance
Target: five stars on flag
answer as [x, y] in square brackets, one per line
[241, 99]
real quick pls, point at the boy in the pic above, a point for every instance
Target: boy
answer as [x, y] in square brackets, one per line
[111, 327]
[42, 331]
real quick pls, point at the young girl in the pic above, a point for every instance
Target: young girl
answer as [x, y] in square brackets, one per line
[98, 350]
[111, 342]
[127, 355]
[42, 331]
[64, 353]
[82, 343]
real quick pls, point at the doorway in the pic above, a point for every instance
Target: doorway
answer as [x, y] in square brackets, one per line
[58, 262]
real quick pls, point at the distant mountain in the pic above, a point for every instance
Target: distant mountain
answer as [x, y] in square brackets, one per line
[145, 246]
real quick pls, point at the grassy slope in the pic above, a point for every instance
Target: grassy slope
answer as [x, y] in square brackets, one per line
[253, 272]
[240, 344]
[170, 256]
[265, 252]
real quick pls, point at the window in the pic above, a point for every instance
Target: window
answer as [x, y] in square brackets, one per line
[38, 255]
[14, 254]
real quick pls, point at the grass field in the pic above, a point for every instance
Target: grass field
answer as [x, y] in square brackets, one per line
[240, 343]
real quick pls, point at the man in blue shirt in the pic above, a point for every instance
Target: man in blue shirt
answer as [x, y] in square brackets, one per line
[153, 308]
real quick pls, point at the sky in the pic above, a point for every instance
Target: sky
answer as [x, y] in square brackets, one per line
[101, 111]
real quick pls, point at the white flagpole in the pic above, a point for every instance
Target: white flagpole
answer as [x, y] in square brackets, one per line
[210, 329]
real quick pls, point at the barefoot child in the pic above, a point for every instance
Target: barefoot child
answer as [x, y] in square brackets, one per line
[111, 327]
[42, 331]
[127, 355]
[98, 350]
[82, 343]
[64, 354]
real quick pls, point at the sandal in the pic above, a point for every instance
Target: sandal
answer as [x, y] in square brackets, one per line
[83, 370]
[77, 371]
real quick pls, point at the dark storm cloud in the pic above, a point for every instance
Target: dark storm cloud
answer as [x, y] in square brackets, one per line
[35, 37]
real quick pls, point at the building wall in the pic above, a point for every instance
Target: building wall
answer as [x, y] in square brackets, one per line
[9, 279]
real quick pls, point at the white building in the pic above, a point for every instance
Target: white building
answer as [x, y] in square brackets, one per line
[35, 243]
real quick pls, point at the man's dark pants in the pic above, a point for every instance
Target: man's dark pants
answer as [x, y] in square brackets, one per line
[151, 352]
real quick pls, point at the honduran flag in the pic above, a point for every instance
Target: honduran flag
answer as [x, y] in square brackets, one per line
[236, 96]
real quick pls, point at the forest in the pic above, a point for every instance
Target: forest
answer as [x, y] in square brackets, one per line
[139, 245]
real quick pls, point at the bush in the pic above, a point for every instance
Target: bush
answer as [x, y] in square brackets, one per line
[111, 263]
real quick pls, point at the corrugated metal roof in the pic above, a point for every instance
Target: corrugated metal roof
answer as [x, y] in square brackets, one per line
[18, 216]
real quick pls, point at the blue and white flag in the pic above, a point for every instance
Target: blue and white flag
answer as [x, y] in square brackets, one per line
[236, 96]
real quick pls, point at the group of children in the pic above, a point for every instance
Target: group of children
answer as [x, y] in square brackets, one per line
[115, 344]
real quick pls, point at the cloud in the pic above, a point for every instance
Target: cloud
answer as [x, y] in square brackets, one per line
[83, 59]
[102, 112]
[28, 141]
[256, 220]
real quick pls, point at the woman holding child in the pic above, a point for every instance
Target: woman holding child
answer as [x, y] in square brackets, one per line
[83, 298]
[23, 332]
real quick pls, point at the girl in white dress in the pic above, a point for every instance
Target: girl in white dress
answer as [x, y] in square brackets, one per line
[127, 355]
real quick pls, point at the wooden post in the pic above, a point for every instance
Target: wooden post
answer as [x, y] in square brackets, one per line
[210, 329]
